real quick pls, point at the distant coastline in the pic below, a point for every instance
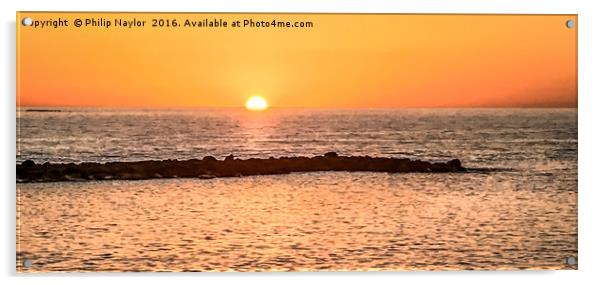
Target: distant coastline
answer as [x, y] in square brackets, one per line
[44, 110]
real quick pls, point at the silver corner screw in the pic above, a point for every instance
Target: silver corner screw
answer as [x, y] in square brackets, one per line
[27, 21]
[570, 24]
[27, 263]
[570, 260]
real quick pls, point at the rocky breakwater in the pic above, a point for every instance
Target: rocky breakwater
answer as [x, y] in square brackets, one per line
[210, 167]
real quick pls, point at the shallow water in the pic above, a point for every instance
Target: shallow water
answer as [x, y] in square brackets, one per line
[305, 221]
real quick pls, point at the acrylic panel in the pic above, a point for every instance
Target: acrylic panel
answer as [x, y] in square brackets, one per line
[295, 142]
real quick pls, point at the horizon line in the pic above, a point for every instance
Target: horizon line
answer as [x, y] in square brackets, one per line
[290, 107]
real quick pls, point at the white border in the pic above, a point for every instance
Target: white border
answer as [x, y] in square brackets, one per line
[590, 76]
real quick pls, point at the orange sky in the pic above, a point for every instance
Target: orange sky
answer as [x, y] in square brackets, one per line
[344, 61]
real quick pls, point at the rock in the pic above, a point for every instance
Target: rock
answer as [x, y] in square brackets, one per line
[331, 154]
[229, 158]
[28, 163]
[209, 158]
[455, 165]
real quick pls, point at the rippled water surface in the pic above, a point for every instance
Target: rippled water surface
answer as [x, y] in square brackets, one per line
[485, 137]
[524, 217]
[313, 221]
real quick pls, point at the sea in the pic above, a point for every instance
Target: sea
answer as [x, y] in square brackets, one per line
[522, 214]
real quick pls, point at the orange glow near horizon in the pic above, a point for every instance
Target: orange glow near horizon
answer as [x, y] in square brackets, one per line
[344, 61]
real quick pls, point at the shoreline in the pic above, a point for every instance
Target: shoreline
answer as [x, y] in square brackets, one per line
[210, 167]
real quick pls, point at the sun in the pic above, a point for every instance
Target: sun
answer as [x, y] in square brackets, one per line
[256, 103]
